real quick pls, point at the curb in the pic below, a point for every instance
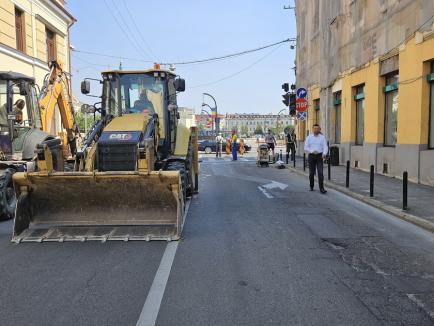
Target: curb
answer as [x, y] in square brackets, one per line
[427, 225]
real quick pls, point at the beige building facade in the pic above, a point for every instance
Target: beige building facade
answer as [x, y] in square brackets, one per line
[368, 66]
[33, 32]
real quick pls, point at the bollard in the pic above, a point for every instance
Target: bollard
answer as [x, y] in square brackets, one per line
[404, 190]
[287, 158]
[293, 159]
[347, 177]
[329, 169]
[304, 161]
[371, 182]
[269, 157]
[280, 156]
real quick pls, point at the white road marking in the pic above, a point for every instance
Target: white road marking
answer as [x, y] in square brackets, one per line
[275, 184]
[149, 314]
[265, 192]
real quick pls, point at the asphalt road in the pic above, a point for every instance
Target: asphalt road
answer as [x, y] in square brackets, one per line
[258, 249]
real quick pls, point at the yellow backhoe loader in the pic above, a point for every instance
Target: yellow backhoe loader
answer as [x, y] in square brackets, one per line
[25, 122]
[132, 176]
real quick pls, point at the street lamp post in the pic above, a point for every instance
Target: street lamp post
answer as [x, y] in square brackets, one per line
[217, 127]
[278, 115]
[209, 114]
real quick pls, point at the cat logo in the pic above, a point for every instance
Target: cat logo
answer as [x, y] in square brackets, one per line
[120, 136]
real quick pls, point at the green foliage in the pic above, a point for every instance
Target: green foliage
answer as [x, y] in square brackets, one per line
[81, 121]
[288, 128]
[244, 130]
[258, 130]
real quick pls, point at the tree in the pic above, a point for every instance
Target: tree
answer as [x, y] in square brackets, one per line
[288, 128]
[244, 130]
[258, 130]
[80, 120]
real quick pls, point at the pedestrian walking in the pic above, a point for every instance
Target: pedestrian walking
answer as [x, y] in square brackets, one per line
[291, 143]
[219, 145]
[271, 142]
[234, 145]
[316, 147]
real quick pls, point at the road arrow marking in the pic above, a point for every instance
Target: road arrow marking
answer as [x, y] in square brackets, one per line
[265, 192]
[275, 184]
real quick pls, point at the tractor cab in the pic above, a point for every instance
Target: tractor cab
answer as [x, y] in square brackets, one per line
[19, 114]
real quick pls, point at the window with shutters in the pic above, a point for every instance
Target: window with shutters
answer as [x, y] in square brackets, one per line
[51, 45]
[19, 29]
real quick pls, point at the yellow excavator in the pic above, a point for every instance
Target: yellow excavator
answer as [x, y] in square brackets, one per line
[132, 176]
[25, 125]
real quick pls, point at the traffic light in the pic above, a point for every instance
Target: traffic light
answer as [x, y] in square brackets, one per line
[286, 99]
[292, 106]
[285, 87]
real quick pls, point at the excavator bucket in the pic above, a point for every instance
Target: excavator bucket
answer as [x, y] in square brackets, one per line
[80, 206]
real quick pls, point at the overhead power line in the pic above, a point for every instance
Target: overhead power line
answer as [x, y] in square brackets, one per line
[238, 72]
[131, 40]
[224, 57]
[228, 56]
[140, 33]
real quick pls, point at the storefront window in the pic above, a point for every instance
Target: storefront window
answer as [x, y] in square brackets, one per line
[391, 109]
[337, 105]
[360, 114]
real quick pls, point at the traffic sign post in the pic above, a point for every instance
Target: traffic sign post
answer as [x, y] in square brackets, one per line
[301, 105]
[301, 92]
[301, 116]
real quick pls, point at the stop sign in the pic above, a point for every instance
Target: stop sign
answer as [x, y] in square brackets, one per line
[301, 104]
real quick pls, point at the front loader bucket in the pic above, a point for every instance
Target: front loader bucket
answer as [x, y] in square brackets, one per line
[79, 206]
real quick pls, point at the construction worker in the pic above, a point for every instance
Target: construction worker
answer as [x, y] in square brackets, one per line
[241, 150]
[228, 146]
[143, 104]
[18, 110]
[234, 145]
[270, 141]
[291, 143]
[316, 146]
[219, 145]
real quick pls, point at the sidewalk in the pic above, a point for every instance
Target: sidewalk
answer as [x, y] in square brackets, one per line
[387, 193]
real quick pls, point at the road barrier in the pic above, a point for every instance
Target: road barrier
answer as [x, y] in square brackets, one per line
[404, 190]
[347, 175]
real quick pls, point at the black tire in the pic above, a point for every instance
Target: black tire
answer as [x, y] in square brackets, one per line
[8, 199]
[179, 166]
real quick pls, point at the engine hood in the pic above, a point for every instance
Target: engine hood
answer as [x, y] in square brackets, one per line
[128, 122]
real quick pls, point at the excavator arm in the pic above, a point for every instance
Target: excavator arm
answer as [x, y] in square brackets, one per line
[55, 91]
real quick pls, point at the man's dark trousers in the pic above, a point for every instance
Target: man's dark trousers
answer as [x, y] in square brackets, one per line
[316, 163]
[290, 148]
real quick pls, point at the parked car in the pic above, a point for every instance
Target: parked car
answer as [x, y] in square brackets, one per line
[210, 146]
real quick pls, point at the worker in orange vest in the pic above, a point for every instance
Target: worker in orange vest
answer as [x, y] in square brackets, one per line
[228, 146]
[241, 150]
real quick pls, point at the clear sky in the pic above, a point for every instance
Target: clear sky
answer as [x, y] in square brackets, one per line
[184, 30]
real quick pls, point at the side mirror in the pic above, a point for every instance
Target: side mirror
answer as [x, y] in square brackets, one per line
[85, 87]
[23, 88]
[179, 84]
[87, 109]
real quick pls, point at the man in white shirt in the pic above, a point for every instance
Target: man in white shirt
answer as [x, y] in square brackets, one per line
[317, 149]
[219, 144]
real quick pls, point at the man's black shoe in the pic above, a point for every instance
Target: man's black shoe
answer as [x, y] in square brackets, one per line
[323, 191]
[311, 189]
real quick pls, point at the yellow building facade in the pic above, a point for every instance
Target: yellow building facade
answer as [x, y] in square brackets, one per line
[375, 102]
[33, 32]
